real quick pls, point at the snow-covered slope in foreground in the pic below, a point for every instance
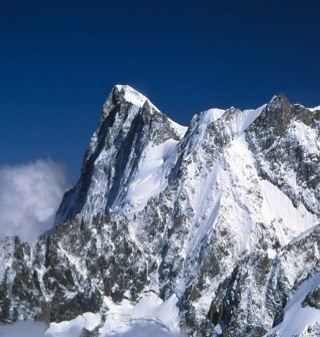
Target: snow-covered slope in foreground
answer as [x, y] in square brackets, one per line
[207, 230]
[301, 318]
[86, 322]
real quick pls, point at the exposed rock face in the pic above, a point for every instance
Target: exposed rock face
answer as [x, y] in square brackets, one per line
[219, 221]
[313, 299]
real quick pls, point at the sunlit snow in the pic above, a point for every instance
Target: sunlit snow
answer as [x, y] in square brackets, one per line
[297, 318]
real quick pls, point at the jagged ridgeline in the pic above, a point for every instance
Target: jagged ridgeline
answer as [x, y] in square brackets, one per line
[211, 229]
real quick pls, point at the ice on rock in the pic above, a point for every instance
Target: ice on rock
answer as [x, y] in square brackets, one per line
[132, 96]
[317, 108]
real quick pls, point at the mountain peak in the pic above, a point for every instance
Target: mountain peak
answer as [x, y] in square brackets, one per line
[128, 94]
[278, 101]
[195, 229]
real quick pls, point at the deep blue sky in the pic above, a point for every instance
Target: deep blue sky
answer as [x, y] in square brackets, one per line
[60, 59]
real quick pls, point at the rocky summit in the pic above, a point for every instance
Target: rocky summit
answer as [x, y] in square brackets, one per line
[210, 230]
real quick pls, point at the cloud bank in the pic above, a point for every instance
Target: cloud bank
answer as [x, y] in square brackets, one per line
[29, 197]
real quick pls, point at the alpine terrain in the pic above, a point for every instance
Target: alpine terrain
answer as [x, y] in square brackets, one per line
[210, 230]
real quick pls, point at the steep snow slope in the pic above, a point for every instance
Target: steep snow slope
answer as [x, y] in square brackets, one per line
[212, 229]
[300, 319]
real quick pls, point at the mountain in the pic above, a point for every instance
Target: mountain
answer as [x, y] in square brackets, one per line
[212, 229]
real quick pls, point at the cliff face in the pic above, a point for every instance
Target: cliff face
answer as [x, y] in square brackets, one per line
[212, 228]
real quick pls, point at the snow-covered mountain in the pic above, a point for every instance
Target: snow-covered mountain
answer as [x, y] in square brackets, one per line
[212, 230]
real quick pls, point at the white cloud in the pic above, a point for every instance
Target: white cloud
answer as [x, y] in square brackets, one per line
[29, 197]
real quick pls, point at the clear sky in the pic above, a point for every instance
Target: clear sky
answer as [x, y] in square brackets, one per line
[60, 59]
